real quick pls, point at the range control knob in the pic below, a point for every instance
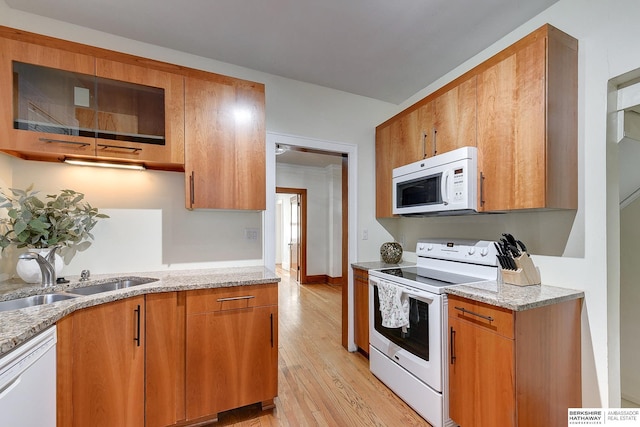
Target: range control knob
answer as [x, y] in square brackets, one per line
[472, 250]
[430, 247]
[484, 251]
[421, 246]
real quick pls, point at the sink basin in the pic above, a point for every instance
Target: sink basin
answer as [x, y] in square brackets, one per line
[32, 301]
[110, 286]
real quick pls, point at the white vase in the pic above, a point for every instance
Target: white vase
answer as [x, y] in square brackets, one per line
[29, 269]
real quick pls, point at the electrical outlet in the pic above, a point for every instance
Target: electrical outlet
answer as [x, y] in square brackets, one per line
[365, 234]
[251, 233]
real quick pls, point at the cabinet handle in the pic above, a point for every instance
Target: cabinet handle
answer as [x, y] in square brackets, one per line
[137, 337]
[271, 319]
[481, 189]
[235, 298]
[424, 144]
[435, 142]
[133, 150]
[62, 141]
[465, 311]
[192, 189]
[452, 343]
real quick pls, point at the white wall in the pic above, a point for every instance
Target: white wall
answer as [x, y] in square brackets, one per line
[334, 268]
[630, 301]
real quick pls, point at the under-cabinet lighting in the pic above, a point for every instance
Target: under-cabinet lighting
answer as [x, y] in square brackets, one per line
[104, 164]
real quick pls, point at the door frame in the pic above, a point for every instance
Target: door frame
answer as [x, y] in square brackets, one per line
[302, 262]
[349, 216]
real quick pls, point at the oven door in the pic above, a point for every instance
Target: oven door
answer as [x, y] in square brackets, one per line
[419, 349]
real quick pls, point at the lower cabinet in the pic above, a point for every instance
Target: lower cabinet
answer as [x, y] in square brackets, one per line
[232, 349]
[513, 368]
[100, 366]
[172, 358]
[361, 308]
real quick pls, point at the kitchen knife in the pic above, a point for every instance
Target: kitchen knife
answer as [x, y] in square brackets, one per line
[522, 247]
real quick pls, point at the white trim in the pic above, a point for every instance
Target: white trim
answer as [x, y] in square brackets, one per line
[268, 218]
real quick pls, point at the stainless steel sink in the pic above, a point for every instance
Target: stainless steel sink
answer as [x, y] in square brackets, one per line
[32, 301]
[110, 286]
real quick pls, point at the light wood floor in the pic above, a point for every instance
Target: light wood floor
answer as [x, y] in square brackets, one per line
[319, 382]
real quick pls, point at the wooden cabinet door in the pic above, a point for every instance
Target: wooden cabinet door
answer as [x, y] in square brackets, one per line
[231, 359]
[225, 145]
[481, 376]
[164, 359]
[455, 118]
[361, 308]
[44, 103]
[400, 142]
[128, 112]
[101, 366]
[512, 131]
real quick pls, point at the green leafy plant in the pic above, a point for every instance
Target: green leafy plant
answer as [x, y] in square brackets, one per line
[64, 219]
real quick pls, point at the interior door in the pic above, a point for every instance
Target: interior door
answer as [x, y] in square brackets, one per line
[294, 245]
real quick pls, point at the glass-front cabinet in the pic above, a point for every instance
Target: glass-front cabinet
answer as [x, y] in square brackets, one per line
[70, 105]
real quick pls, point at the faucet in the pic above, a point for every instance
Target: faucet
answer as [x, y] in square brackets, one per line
[47, 265]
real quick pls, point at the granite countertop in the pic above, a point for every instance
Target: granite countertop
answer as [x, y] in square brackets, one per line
[17, 326]
[516, 298]
[372, 265]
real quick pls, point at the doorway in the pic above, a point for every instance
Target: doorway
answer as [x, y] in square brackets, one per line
[293, 231]
[348, 250]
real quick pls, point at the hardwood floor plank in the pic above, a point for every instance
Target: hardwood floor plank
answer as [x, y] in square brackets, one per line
[319, 382]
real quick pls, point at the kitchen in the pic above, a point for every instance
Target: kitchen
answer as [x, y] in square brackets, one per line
[605, 34]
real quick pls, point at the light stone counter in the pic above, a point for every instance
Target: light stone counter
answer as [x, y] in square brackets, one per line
[17, 326]
[516, 298]
[374, 265]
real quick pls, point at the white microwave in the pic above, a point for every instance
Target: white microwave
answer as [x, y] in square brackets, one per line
[445, 184]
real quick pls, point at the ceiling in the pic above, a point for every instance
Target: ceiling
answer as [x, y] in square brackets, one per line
[387, 50]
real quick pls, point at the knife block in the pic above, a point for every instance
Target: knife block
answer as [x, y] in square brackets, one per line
[527, 273]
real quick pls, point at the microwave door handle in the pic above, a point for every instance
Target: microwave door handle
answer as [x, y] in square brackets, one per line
[445, 188]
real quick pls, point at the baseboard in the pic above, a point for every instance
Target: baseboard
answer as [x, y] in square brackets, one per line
[323, 278]
[630, 398]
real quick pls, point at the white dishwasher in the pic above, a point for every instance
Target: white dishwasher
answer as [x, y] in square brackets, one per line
[28, 383]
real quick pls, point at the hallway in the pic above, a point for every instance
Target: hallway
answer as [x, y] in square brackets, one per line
[319, 382]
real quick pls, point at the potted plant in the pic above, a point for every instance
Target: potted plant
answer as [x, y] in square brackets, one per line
[64, 220]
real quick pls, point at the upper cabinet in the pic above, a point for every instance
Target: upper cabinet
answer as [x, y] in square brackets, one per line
[442, 122]
[73, 101]
[140, 113]
[518, 107]
[226, 149]
[71, 105]
[527, 125]
[38, 119]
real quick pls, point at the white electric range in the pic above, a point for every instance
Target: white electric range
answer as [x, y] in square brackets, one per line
[411, 360]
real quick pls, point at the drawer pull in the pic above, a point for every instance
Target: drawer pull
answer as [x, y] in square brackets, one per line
[452, 343]
[464, 310]
[137, 336]
[132, 150]
[62, 141]
[235, 298]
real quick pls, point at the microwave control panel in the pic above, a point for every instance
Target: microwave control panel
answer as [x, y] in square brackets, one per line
[458, 185]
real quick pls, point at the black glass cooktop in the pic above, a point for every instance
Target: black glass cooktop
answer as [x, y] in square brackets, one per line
[429, 276]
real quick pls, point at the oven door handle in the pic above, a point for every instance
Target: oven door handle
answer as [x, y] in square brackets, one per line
[423, 296]
[410, 292]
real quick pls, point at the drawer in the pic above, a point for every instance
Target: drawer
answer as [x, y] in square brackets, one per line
[231, 298]
[486, 316]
